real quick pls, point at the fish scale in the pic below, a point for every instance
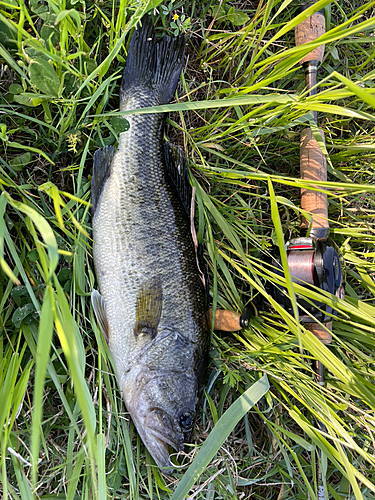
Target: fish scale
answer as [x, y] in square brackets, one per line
[148, 225]
[152, 302]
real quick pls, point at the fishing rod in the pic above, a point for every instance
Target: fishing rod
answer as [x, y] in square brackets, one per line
[313, 167]
[312, 258]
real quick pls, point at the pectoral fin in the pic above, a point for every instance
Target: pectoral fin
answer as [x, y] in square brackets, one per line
[148, 308]
[98, 306]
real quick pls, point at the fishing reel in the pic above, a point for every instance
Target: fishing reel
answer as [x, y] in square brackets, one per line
[311, 263]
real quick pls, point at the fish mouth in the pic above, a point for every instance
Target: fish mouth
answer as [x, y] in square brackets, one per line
[158, 448]
[157, 434]
[166, 440]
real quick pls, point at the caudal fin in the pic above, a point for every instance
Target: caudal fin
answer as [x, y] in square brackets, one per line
[152, 63]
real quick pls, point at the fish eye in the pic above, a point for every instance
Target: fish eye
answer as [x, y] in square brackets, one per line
[186, 420]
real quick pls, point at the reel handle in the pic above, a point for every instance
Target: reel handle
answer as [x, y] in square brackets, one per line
[230, 321]
[226, 321]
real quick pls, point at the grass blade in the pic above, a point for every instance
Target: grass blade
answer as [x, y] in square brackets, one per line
[219, 434]
[42, 355]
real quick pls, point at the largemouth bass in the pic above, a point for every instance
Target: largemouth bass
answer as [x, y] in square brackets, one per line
[151, 306]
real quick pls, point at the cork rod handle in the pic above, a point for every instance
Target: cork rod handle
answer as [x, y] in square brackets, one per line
[313, 167]
[321, 333]
[309, 30]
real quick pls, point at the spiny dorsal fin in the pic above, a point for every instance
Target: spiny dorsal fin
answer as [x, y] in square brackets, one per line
[100, 173]
[98, 306]
[148, 308]
[175, 163]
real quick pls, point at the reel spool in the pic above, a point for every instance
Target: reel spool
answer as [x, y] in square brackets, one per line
[311, 263]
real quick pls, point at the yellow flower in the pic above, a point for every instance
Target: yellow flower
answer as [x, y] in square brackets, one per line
[175, 17]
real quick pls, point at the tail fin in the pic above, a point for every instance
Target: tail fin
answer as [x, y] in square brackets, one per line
[151, 63]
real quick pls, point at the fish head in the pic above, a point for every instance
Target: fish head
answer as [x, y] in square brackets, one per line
[162, 404]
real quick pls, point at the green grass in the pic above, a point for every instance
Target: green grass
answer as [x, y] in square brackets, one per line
[240, 108]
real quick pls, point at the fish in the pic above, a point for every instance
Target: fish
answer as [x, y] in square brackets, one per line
[151, 303]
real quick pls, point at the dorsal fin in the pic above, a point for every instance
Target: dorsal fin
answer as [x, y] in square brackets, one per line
[100, 173]
[175, 164]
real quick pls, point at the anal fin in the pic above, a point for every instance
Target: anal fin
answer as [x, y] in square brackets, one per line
[148, 308]
[98, 306]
